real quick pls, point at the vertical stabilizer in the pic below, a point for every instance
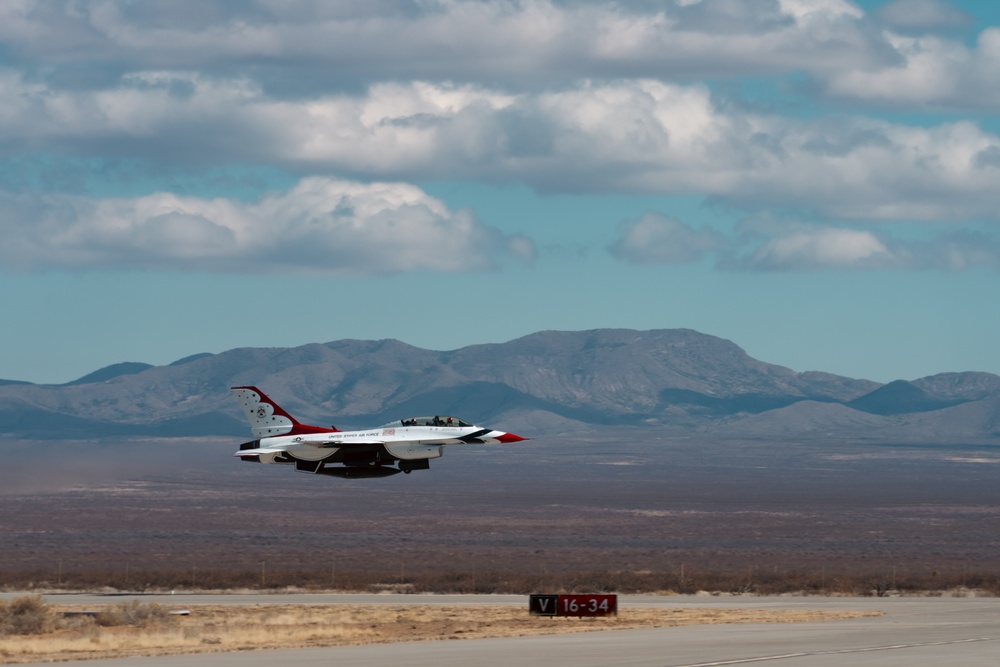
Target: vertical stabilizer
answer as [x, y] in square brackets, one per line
[266, 417]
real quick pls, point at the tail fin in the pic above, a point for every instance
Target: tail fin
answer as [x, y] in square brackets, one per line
[266, 417]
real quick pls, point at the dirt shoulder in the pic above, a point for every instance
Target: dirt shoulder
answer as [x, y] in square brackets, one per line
[218, 628]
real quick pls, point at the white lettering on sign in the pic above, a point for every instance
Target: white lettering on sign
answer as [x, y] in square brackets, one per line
[544, 605]
[586, 605]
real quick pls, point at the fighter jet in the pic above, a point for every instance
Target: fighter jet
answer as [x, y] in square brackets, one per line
[411, 443]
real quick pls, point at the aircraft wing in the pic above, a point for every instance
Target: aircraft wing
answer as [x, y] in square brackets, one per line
[340, 443]
[320, 445]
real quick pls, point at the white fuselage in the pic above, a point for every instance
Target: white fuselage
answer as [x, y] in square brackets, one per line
[371, 452]
[402, 442]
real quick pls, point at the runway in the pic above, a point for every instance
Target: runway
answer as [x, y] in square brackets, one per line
[918, 632]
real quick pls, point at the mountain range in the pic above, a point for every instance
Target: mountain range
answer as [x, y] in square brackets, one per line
[674, 382]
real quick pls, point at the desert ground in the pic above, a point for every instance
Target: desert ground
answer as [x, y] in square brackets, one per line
[609, 510]
[136, 629]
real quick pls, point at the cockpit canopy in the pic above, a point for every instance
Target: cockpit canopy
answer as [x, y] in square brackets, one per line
[436, 420]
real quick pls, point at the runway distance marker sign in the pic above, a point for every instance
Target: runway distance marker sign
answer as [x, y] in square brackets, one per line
[573, 605]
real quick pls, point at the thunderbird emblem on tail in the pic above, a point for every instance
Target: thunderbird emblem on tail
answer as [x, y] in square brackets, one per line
[376, 452]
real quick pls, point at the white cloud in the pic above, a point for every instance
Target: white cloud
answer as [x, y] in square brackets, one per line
[631, 136]
[922, 15]
[822, 248]
[305, 50]
[820, 9]
[960, 251]
[296, 44]
[576, 99]
[801, 247]
[319, 226]
[932, 72]
[772, 244]
[656, 239]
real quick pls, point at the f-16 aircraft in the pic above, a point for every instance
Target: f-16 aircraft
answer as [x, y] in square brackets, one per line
[411, 443]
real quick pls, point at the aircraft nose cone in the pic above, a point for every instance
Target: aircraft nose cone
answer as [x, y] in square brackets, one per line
[509, 437]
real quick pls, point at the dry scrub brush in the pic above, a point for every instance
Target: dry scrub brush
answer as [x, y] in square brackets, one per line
[671, 577]
[213, 628]
[29, 615]
[26, 615]
[135, 613]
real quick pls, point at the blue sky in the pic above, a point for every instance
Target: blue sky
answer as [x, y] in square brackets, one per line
[815, 180]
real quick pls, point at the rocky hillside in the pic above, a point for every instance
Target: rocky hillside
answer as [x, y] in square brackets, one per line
[677, 380]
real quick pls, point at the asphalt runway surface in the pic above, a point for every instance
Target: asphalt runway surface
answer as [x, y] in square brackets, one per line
[914, 631]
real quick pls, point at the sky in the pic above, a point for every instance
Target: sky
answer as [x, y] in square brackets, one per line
[817, 181]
